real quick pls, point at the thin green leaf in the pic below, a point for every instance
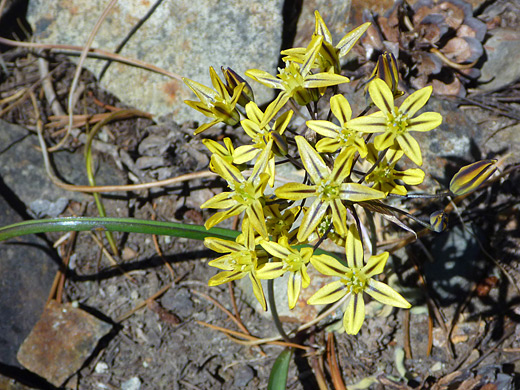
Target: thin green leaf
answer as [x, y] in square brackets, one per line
[126, 225]
[280, 371]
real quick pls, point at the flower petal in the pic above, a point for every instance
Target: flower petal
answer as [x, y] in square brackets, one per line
[271, 270]
[381, 95]
[205, 94]
[224, 277]
[384, 141]
[275, 249]
[340, 108]
[258, 290]
[264, 78]
[410, 147]
[342, 165]
[329, 293]
[273, 108]
[227, 171]
[339, 216]
[354, 314]
[324, 80]
[222, 215]
[311, 219]
[425, 122]
[222, 246]
[294, 285]
[358, 193]
[386, 294]
[354, 248]
[328, 265]
[310, 54]
[245, 153]
[413, 176]
[256, 217]
[416, 101]
[219, 201]
[314, 164]
[375, 265]
[349, 40]
[295, 191]
[325, 128]
[328, 145]
[373, 123]
[320, 28]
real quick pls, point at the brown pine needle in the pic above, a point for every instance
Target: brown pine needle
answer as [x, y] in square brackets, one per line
[251, 338]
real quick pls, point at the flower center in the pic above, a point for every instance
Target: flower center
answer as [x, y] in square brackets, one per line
[244, 261]
[397, 121]
[293, 262]
[355, 280]
[244, 192]
[382, 174]
[327, 190]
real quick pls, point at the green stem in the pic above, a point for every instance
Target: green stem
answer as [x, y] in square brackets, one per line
[274, 312]
[126, 225]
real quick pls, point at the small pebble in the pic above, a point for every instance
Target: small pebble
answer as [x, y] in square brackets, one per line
[131, 384]
[101, 368]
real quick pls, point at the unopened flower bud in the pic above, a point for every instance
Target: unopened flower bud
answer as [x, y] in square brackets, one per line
[472, 176]
[233, 79]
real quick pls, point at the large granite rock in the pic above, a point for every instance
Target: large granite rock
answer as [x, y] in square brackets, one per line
[185, 37]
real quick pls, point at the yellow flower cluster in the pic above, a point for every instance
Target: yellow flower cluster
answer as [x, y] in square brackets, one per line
[345, 172]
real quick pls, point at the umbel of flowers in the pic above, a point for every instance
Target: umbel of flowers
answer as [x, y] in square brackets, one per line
[350, 164]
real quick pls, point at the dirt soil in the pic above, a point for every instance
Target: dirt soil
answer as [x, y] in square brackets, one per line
[164, 343]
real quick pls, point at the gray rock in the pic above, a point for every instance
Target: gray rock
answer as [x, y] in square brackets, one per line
[23, 171]
[185, 37]
[178, 301]
[243, 376]
[503, 55]
[26, 275]
[131, 384]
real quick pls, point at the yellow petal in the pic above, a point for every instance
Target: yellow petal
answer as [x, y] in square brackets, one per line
[312, 219]
[219, 201]
[376, 264]
[264, 78]
[320, 28]
[354, 248]
[410, 147]
[354, 314]
[359, 193]
[340, 108]
[294, 285]
[349, 40]
[271, 270]
[381, 95]
[386, 294]
[325, 128]
[373, 123]
[330, 293]
[295, 191]
[314, 164]
[324, 80]
[328, 265]
[425, 122]
[227, 171]
[416, 101]
[245, 153]
[258, 291]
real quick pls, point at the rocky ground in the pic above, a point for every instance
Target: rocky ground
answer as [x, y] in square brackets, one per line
[154, 302]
